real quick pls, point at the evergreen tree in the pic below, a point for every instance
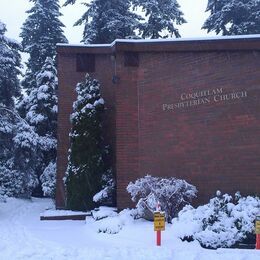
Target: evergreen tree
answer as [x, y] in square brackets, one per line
[41, 32]
[19, 148]
[162, 18]
[18, 141]
[41, 105]
[42, 101]
[233, 17]
[48, 180]
[10, 62]
[86, 164]
[107, 20]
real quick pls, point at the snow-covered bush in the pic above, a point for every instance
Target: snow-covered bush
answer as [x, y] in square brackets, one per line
[110, 225]
[115, 222]
[103, 212]
[222, 222]
[172, 194]
[48, 180]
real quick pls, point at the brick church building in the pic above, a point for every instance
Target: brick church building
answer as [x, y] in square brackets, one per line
[183, 108]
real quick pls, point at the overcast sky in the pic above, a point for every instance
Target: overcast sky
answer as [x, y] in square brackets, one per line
[12, 13]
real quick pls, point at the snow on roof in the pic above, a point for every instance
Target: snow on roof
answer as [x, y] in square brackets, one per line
[84, 45]
[211, 38]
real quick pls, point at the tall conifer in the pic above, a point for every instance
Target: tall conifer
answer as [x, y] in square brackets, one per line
[18, 141]
[107, 20]
[162, 18]
[10, 64]
[41, 31]
[86, 164]
[233, 17]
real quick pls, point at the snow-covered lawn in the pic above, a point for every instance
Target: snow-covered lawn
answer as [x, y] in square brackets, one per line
[24, 236]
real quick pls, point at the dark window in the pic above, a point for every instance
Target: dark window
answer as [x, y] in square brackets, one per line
[131, 59]
[85, 62]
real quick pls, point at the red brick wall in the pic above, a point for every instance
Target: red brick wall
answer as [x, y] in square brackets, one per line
[127, 149]
[214, 146]
[68, 78]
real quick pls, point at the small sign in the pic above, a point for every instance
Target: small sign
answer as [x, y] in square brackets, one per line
[257, 225]
[159, 221]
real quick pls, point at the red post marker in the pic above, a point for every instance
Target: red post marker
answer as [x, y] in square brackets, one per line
[257, 246]
[158, 238]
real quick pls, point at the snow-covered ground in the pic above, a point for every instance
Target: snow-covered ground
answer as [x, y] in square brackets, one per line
[24, 236]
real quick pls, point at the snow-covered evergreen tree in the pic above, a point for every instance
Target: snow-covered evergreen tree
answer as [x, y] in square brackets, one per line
[233, 17]
[162, 18]
[18, 141]
[9, 89]
[10, 62]
[86, 165]
[41, 32]
[7, 125]
[42, 101]
[19, 149]
[48, 180]
[107, 20]
[41, 106]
